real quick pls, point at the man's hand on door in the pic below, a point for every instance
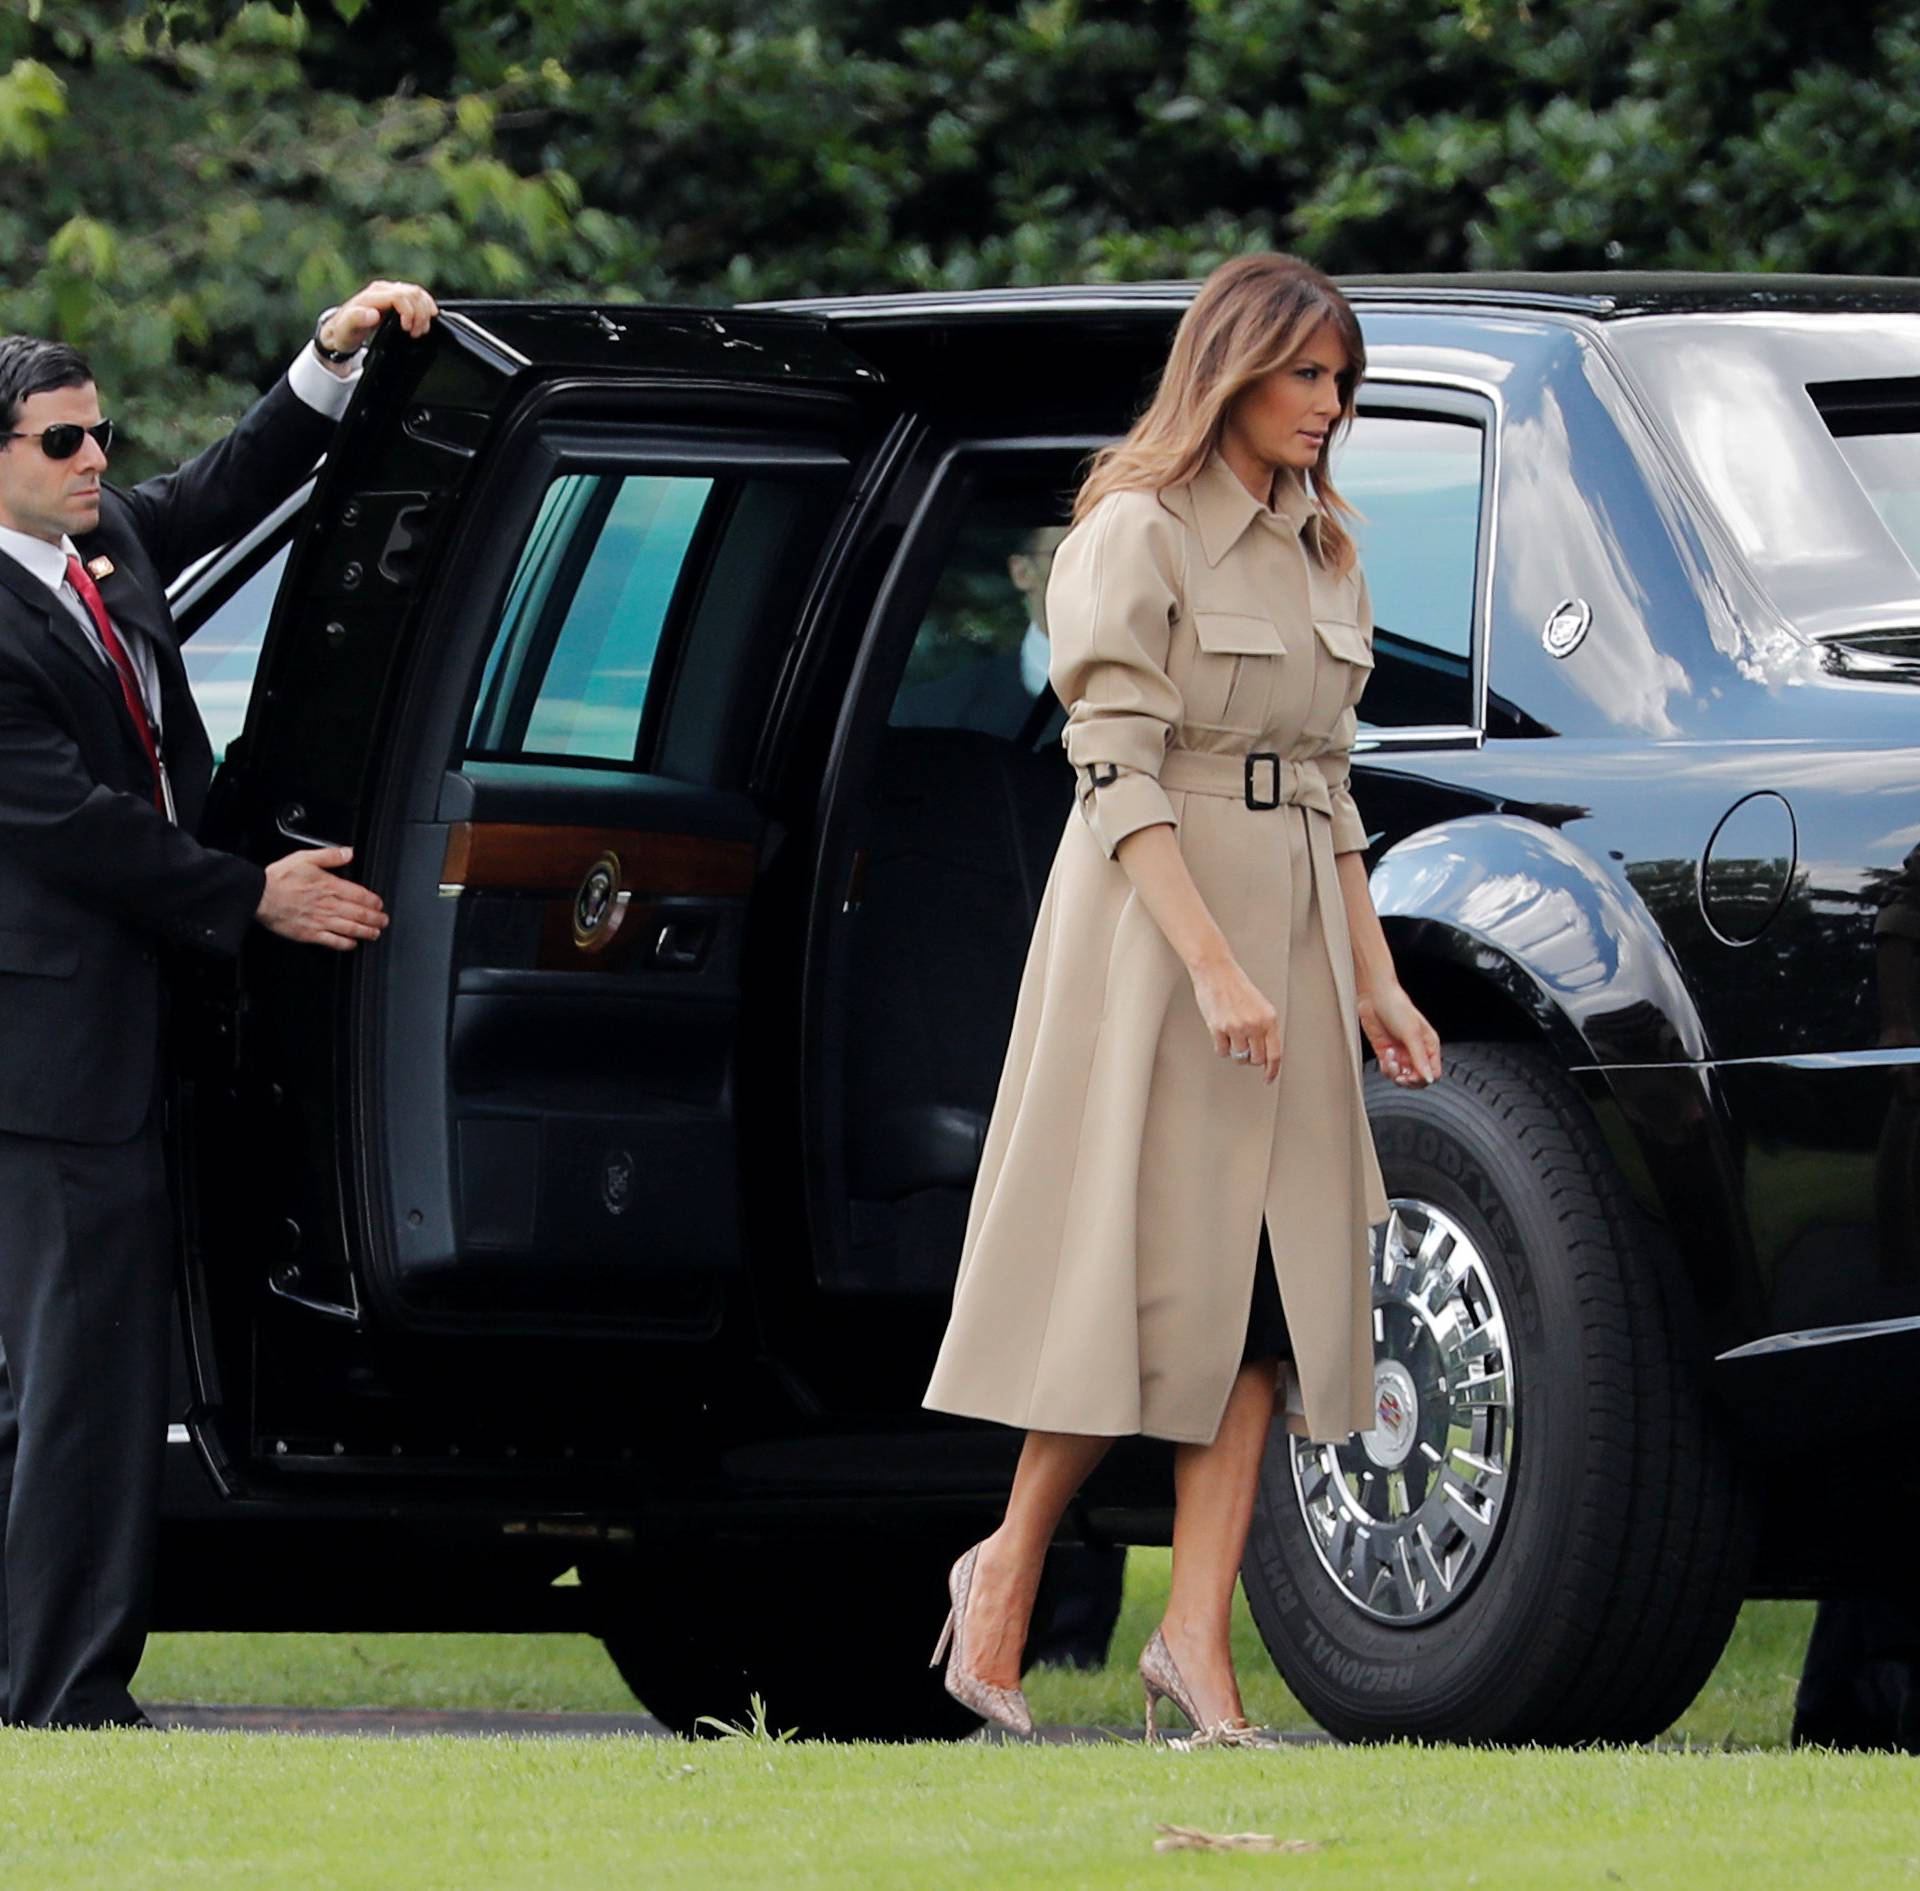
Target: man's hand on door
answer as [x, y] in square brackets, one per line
[307, 901]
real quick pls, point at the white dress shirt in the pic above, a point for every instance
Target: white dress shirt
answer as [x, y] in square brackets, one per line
[309, 377]
[1034, 650]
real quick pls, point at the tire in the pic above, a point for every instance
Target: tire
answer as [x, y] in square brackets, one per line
[1582, 1569]
[835, 1644]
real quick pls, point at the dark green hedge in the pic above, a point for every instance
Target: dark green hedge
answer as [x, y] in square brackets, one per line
[182, 186]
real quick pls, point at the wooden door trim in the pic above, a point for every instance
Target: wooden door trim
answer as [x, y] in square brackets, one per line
[523, 857]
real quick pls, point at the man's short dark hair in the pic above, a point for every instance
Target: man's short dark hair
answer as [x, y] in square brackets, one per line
[29, 367]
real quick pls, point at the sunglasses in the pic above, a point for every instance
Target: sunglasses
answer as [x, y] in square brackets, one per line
[62, 442]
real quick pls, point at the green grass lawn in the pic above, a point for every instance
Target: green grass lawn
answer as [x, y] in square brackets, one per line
[256, 1812]
[1748, 1702]
[260, 1811]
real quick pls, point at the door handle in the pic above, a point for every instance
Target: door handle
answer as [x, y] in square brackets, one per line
[291, 823]
[680, 944]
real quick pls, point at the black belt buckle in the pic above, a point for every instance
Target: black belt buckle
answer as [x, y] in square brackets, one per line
[1253, 800]
[1099, 780]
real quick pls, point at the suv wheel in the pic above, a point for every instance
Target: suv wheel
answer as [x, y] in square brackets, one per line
[834, 1640]
[1545, 1535]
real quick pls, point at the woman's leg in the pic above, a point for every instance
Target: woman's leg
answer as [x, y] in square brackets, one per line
[1006, 1575]
[1213, 1505]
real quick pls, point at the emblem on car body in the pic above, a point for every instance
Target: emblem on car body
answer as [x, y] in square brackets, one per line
[1567, 624]
[616, 1181]
[599, 905]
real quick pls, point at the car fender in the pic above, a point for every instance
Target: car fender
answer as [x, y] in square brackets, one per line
[1516, 906]
[1519, 904]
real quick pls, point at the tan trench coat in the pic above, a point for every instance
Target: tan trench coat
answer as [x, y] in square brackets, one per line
[1108, 1262]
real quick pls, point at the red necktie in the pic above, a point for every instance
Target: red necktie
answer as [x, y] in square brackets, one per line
[122, 667]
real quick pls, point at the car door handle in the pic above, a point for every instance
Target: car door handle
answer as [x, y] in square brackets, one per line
[291, 821]
[680, 944]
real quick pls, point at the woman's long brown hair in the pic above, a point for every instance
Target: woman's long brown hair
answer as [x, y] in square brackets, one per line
[1251, 317]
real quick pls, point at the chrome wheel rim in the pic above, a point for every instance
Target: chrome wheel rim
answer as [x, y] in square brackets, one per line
[1405, 1516]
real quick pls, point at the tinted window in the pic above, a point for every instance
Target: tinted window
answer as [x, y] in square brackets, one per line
[222, 655]
[1876, 425]
[979, 657]
[1887, 465]
[570, 671]
[1416, 480]
[1766, 413]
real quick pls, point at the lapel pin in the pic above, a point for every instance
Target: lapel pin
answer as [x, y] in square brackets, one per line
[98, 568]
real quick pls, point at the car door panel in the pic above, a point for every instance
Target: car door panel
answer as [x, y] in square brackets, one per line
[587, 1074]
[591, 968]
[516, 1112]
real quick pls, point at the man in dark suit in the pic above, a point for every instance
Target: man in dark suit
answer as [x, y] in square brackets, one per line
[996, 692]
[104, 769]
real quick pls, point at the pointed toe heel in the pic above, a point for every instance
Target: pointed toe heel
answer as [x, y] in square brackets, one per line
[1004, 1706]
[1162, 1681]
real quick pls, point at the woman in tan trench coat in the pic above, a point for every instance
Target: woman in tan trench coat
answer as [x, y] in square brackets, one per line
[1181, 1096]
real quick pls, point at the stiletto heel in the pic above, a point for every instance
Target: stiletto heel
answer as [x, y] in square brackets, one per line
[1162, 1681]
[1004, 1706]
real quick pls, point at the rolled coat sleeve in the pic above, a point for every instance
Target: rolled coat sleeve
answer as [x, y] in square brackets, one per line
[1111, 600]
[1336, 765]
[1349, 831]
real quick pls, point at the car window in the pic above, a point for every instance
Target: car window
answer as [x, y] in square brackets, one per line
[571, 668]
[1876, 426]
[223, 653]
[1887, 465]
[979, 656]
[1416, 481]
[1790, 424]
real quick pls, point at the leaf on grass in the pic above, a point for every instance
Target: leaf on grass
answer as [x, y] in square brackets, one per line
[1190, 1838]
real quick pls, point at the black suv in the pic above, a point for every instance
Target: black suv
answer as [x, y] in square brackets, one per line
[664, 668]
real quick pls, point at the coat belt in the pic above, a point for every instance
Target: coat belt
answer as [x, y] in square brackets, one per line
[1292, 784]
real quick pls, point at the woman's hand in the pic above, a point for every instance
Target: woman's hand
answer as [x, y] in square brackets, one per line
[1238, 1015]
[1407, 1046]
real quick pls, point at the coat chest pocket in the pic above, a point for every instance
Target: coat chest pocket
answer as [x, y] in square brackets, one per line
[1227, 685]
[1341, 640]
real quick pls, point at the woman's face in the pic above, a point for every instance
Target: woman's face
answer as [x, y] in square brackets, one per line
[1285, 416]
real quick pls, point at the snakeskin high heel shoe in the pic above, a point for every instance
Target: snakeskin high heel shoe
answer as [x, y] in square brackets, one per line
[1004, 1706]
[1162, 1681]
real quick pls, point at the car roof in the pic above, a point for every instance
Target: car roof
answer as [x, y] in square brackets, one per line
[1714, 356]
[1599, 295]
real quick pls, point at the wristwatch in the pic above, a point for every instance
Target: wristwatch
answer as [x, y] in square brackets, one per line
[334, 355]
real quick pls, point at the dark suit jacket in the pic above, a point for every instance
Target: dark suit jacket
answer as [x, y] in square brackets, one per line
[93, 879]
[989, 693]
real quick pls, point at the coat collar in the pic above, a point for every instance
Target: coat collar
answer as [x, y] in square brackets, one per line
[124, 596]
[32, 591]
[15, 577]
[1223, 508]
[42, 560]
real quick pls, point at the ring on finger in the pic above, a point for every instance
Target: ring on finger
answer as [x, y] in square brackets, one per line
[1241, 1056]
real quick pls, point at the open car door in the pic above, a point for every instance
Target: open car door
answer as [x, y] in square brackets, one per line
[520, 663]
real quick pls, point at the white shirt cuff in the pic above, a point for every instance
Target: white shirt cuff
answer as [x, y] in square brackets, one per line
[324, 391]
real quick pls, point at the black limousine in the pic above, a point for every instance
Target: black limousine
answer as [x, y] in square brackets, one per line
[662, 666]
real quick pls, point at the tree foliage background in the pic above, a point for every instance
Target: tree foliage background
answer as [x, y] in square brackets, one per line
[184, 185]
